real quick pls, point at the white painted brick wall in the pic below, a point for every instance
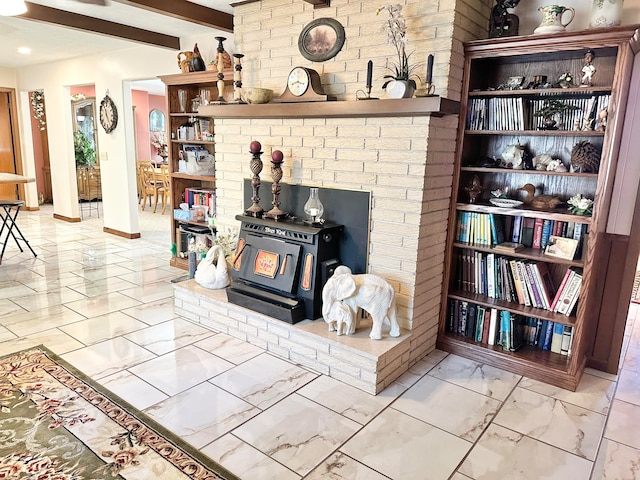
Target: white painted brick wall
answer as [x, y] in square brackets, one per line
[406, 163]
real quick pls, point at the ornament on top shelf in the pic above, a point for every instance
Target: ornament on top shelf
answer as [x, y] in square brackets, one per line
[198, 62]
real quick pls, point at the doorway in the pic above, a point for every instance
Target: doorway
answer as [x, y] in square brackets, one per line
[10, 159]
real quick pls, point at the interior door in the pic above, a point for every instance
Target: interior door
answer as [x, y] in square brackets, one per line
[7, 155]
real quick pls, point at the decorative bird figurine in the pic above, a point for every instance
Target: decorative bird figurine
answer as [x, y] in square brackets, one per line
[540, 202]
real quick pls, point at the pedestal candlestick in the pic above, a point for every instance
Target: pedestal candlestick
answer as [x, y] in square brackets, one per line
[237, 77]
[255, 210]
[220, 66]
[276, 175]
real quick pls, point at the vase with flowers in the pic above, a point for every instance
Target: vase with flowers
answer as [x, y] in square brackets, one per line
[159, 142]
[401, 83]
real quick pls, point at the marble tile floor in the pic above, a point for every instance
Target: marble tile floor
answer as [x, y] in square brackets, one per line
[105, 305]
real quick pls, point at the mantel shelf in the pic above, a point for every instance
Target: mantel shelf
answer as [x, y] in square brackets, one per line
[404, 107]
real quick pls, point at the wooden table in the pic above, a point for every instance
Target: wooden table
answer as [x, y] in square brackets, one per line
[12, 178]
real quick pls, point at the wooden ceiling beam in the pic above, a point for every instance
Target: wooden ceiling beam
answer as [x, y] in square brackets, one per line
[40, 13]
[187, 11]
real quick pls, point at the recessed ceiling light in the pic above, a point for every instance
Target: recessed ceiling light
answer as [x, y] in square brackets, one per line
[24, 50]
[12, 7]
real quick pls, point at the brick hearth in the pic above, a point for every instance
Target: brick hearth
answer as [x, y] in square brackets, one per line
[370, 365]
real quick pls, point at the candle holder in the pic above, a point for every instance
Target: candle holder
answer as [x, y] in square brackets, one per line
[237, 77]
[255, 210]
[365, 95]
[276, 174]
[220, 67]
[314, 209]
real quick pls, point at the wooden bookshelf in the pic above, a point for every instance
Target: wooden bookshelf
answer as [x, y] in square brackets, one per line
[488, 66]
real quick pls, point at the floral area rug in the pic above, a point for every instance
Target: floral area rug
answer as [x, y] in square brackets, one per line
[56, 424]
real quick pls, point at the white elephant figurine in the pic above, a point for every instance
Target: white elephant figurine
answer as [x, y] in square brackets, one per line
[341, 318]
[368, 292]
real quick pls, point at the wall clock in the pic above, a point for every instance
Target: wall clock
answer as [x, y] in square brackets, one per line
[303, 85]
[108, 114]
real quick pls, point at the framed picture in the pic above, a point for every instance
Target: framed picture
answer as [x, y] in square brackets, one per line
[321, 39]
[561, 247]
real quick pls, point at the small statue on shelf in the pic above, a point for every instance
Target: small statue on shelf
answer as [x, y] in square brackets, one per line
[474, 189]
[588, 70]
[502, 23]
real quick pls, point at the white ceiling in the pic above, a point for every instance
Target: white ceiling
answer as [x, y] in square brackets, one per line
[50, 43]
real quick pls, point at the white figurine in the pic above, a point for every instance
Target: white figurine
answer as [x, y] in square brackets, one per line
[368, 292]
[588, 70]
[341, 319]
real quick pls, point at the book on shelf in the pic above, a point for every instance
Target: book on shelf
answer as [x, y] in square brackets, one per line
[570, 293]
[516, 229]
[544, 282]
[556, 337]
[509, 247]
[561, 288]
[547, 334]
[493, 324]
[536, 241]
[526, 235]
[486, 323]
[547, 230]
[516, 332]
[567, 337]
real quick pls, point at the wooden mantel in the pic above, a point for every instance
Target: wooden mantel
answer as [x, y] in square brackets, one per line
[404, 107]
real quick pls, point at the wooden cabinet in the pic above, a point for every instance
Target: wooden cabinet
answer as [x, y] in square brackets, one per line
[191, 138]
[498, 111]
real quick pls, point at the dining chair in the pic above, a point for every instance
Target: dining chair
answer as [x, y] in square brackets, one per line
[140, 182]
[166, 186]
[152, 185]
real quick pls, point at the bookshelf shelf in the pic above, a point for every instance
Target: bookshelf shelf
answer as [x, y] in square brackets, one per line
[537, 133]
[194, 142]
[557, 214]
[491, 122]
[528, 172]
[526, 254]
[526, 359]
[544, 92]
[513, 307]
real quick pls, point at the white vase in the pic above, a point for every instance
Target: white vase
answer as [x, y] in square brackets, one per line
[605, 13]
[399, 89]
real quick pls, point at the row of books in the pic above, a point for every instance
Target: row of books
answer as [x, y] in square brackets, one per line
[524, 282]
[517, 113]
[201, 196]
[487, 229]
[492, 326]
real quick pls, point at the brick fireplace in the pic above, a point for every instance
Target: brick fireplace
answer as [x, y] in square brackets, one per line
[402, 156]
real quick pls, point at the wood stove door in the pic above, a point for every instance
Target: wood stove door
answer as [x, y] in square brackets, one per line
[269, 262]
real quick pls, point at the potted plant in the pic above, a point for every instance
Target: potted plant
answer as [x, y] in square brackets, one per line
[400, 84]
[550, 109]
[84, 152]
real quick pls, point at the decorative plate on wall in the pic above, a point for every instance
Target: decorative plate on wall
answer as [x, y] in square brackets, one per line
[321, 39]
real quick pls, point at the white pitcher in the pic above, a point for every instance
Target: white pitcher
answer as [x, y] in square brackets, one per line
[552, 16]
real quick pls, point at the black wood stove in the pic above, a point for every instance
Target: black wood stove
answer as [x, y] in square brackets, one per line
[281, 266]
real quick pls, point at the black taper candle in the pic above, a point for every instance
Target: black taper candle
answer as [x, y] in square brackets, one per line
[429, 76]
[369, 73]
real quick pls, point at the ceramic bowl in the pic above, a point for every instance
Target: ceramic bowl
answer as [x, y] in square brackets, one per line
[256, 95]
